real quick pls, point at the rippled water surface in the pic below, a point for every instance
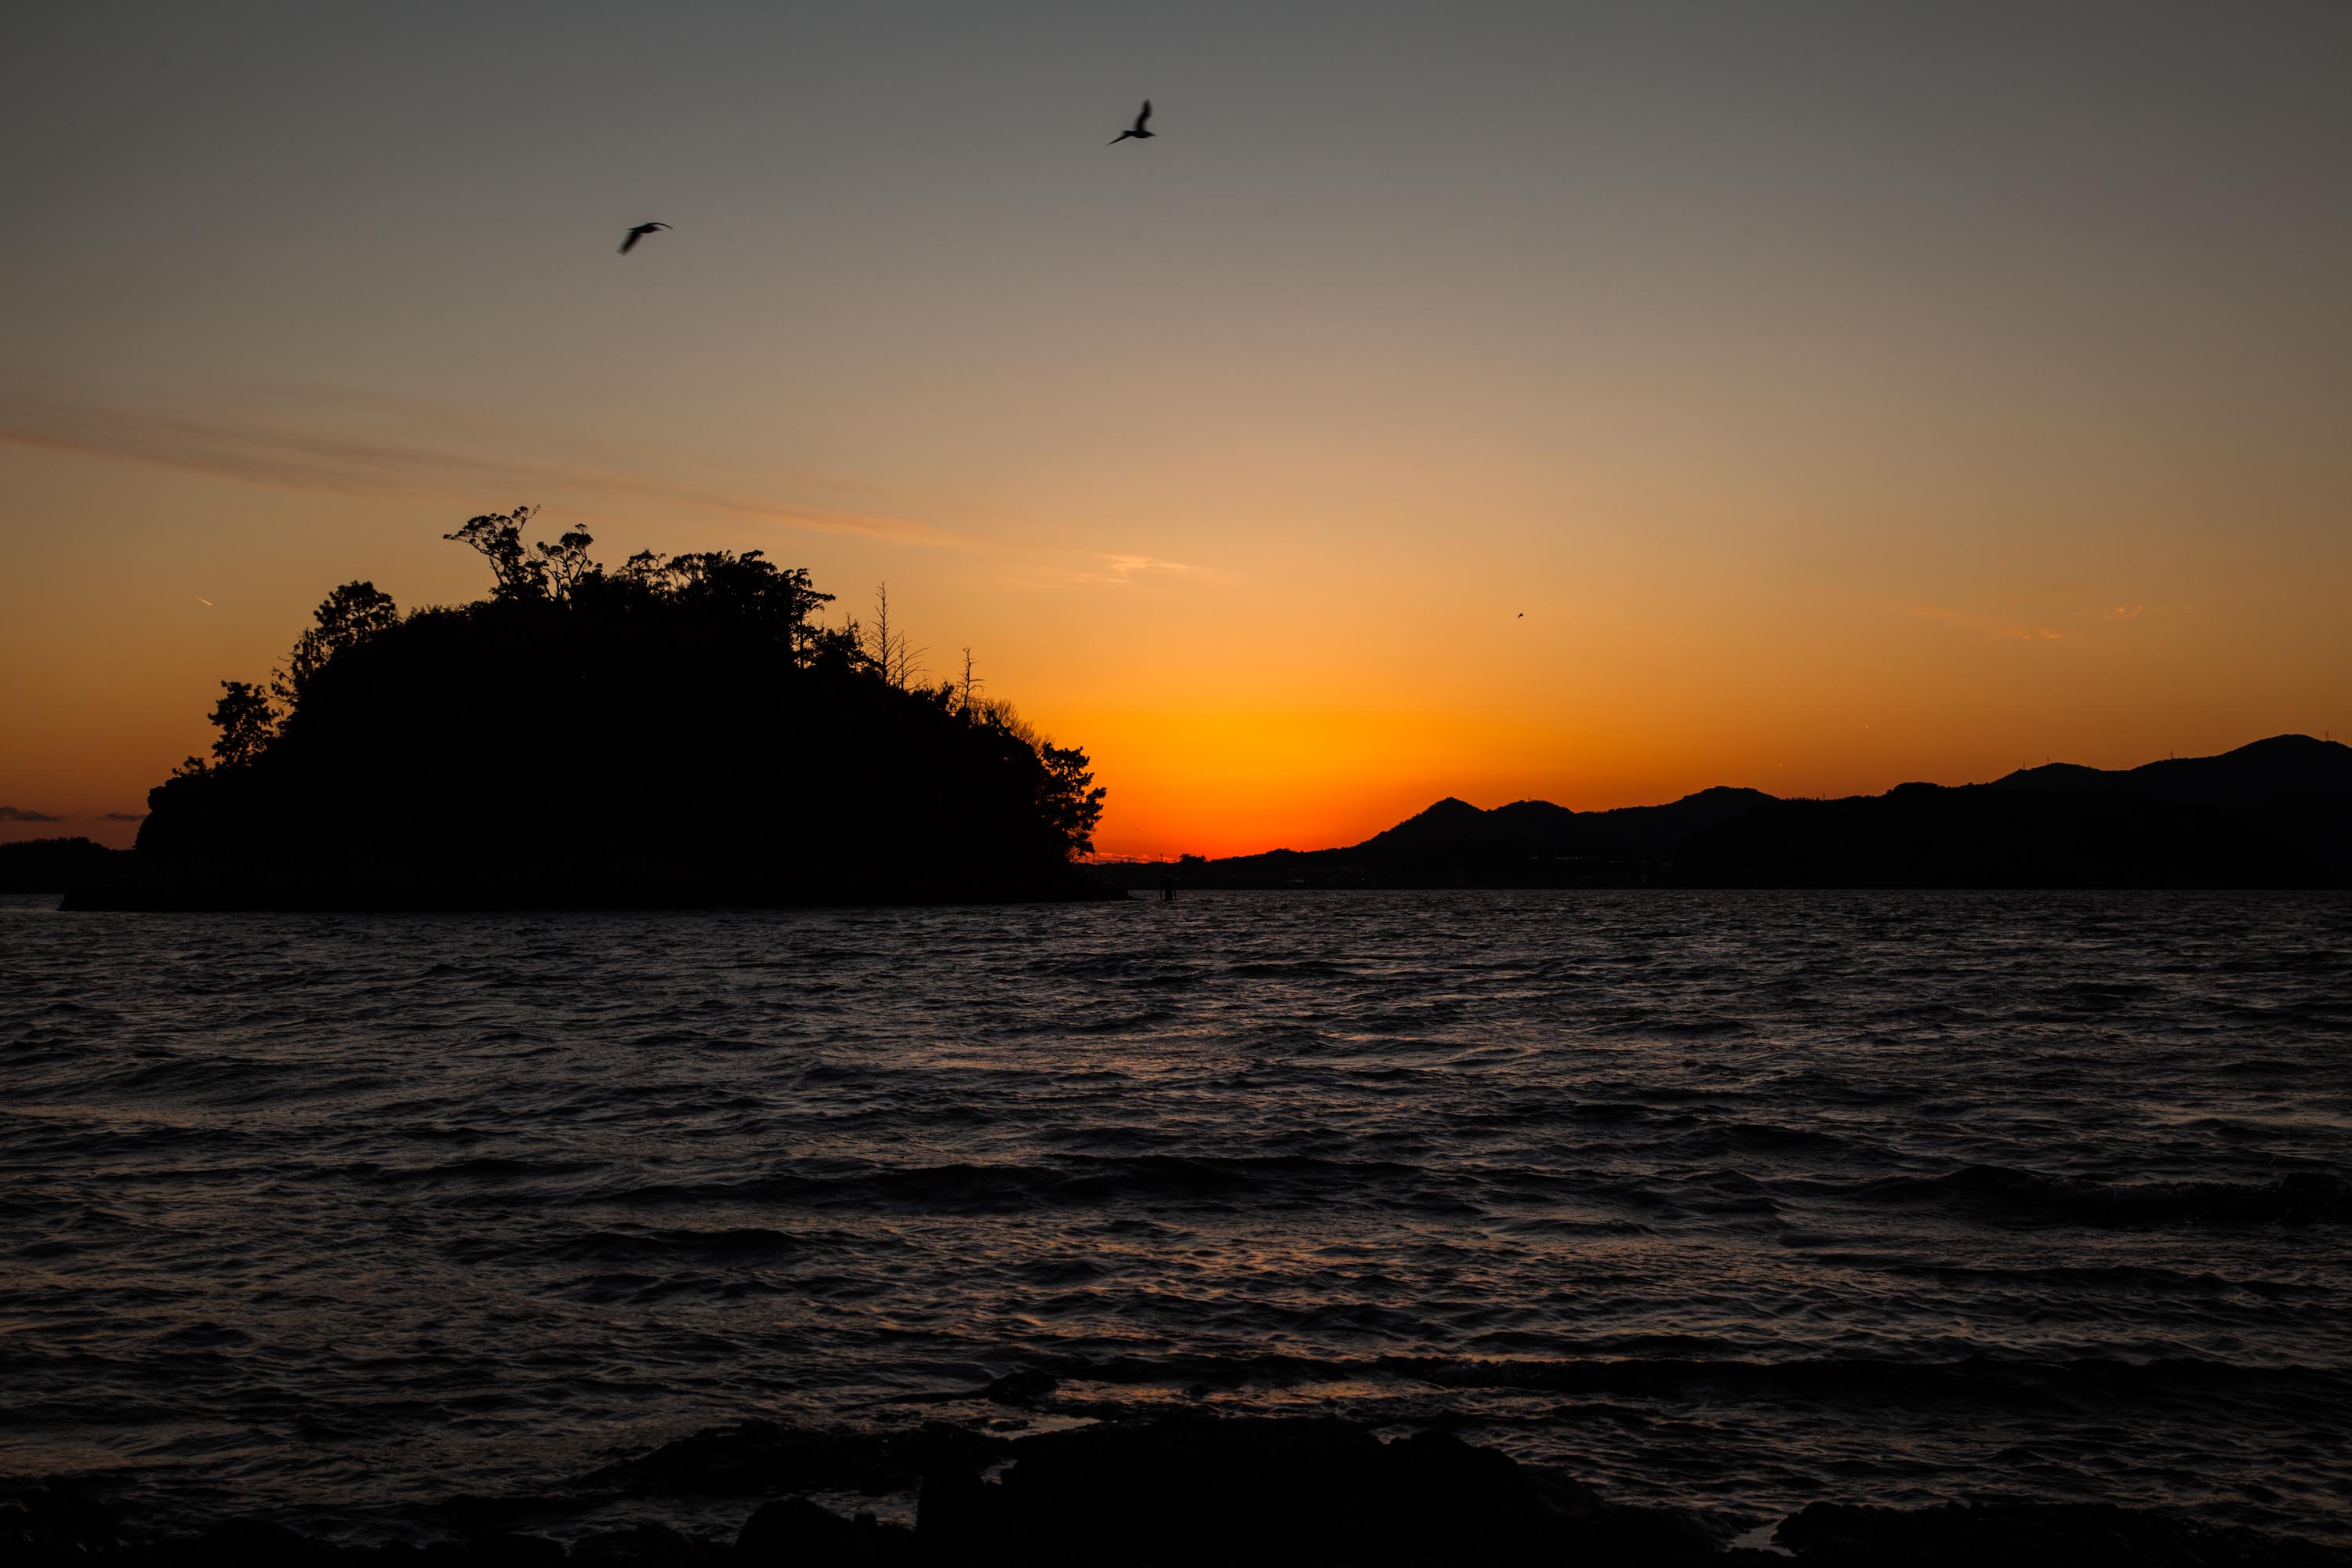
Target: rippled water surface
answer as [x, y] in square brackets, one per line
[1735, 1201]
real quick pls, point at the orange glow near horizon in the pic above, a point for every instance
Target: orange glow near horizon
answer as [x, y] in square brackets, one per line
[1226, 712]
[1643, 400]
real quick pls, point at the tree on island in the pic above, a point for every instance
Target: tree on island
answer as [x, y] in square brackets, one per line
[680, 729]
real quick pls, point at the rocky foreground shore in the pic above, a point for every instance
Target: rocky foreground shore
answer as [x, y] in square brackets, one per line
[1170, 1489]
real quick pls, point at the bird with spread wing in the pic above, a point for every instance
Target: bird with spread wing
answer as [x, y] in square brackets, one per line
[1137, 130]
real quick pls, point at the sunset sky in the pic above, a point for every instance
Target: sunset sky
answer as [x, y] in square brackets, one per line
[1846, 393]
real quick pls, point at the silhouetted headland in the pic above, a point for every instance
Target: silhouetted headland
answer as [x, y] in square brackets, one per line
[2275, 814]
[678, 732]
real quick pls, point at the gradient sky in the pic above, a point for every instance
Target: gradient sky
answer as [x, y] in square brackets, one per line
[1846, 393]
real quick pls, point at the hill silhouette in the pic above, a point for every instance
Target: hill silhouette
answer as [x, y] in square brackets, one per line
[1452, 825]
[1986, 835]
[2290, 786]
[2275, 814]
[52, 865]
[1453, 843]
[673, 732]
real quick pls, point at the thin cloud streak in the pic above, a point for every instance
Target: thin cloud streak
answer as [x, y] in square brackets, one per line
[314, 459]
[302, 451]
[2000, 631]
[1128, 568]
[1049, 569]
[2088, 623]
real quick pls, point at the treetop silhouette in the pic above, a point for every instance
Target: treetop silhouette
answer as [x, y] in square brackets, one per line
[679, 729]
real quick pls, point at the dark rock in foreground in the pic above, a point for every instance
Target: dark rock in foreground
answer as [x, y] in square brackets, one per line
[799, 1532]
[1195, 1488]
[2030, 1535]
[767, 1458]
[1176, 1489]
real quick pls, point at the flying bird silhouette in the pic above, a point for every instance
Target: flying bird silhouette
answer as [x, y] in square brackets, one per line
[1138, 130]
[637, 234]
[1523, 615]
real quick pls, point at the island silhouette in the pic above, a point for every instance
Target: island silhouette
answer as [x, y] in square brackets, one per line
[680, 730]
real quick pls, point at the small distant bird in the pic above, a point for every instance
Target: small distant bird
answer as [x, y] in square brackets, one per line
[637, 234]
[1523, 615]
[202, 600]
[1138, 130]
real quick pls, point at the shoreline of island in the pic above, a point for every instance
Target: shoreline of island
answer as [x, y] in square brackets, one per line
[2273, 815]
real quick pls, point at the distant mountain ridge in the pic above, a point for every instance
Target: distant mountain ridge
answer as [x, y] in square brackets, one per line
[2292, 787]
[2277, 813]
[1982, 836]
[1541, 824]
[2282, 764]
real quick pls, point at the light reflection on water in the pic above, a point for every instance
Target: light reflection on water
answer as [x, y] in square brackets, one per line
[1738, 1200]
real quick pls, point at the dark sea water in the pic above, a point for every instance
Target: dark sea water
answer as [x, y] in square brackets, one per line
[1731, 1200]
